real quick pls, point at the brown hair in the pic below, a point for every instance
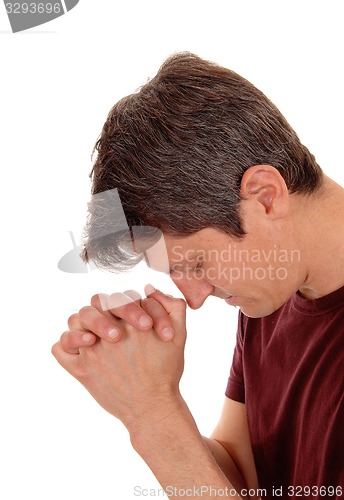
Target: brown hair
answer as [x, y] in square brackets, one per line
[177, 149]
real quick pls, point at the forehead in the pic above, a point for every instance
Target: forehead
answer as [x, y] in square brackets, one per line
[206, 239]
[171, 250]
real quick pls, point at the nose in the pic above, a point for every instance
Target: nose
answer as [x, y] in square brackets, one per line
[195, 291]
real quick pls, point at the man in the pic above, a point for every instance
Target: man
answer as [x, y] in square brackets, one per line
[247, 215]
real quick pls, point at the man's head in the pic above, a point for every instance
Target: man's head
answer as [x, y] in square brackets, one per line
[178, 149]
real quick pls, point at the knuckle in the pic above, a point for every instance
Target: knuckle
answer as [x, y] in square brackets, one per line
[95, 300]
[72, 319]
[180, 304]
[85, 311]
[66, 340]
[100, 325]
[93, 320]
[131, 312]
[100, 301]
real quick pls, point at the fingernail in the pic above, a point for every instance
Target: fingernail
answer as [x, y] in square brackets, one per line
[149, 289]
[168, 333]
[113, 333]
[87, 337]
[145, 321]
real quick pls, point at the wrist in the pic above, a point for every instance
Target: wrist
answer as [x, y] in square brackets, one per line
[159, 424]
[173, 448]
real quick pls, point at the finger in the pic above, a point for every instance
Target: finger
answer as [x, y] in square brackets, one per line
[100, 302]
[74, 322]
[162, 323]
[172, 305]
[124, 307]
[176, 308]
[96, 301]
[96, 322]
[134, 295]
[72, 340]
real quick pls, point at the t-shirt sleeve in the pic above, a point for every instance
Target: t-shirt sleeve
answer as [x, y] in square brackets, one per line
[235, 386]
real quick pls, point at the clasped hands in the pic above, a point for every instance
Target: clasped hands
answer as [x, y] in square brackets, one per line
[128, 353]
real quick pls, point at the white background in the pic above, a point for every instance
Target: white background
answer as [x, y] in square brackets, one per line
[58, 81]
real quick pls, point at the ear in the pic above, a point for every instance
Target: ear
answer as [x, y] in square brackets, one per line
[265, 185]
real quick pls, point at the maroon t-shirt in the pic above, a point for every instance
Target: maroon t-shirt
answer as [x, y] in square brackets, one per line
[288, 368]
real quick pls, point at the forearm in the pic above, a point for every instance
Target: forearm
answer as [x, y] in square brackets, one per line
[226, 463]
[175, 451]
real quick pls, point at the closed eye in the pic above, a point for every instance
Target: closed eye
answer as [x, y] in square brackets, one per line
[198, 266]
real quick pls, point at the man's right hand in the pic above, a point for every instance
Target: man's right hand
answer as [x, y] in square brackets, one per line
[104, 318]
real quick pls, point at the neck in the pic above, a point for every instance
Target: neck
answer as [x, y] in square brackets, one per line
[321, 233]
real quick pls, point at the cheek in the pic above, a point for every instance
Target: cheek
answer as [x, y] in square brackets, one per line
[225, 275]
[261, 275]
